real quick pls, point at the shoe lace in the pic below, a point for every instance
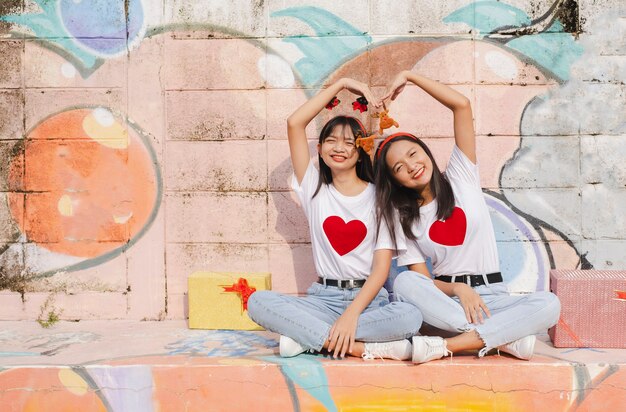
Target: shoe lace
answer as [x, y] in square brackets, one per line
[374, 352]
[484, 351]
[437, 347]
[505, 346]
[370, 356]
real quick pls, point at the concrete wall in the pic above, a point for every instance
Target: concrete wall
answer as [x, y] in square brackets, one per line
[144, 140]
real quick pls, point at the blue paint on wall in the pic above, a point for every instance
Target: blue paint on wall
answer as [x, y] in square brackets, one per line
[87, 29]
[102, 25]
[551, 49]
[323, 54]
[554, 50]
[307, 372]
[486, 16]
[220, 343]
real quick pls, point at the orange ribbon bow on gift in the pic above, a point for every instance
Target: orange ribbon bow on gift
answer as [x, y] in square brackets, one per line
[243, 290]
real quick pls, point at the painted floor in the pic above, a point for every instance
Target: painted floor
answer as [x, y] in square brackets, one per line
[164, 366]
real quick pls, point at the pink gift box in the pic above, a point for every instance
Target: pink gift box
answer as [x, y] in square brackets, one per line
[593, 308]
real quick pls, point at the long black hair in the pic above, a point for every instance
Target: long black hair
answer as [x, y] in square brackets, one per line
[364, 168]
[392, 196]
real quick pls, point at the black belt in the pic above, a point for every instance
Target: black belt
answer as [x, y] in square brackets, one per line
[343, 284]
[473, 280]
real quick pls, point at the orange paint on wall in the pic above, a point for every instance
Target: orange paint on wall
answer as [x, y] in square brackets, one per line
[230, 389]
[499, 385]
[88, 181]
[42, 389]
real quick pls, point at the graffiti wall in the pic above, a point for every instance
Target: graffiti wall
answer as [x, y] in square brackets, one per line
[145, 366]
[144, 140]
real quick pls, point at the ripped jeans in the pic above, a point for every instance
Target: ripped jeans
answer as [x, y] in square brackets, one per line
[512, 316]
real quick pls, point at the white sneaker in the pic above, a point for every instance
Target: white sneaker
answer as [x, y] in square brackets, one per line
[289, 347]
[427, 348]
[397, 350]
[522, 348]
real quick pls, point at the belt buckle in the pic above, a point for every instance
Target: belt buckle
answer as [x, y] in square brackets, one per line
[473, 280]
[350, 284]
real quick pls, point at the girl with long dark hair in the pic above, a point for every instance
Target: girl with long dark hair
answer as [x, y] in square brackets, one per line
[444, 217]
[346, 311]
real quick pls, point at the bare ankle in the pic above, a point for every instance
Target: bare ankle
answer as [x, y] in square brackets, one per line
[468, 340]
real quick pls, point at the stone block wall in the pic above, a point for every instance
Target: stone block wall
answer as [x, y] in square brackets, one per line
[144, 140]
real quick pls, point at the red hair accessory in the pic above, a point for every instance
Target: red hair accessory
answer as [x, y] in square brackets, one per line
[362, 132]
[333, 102]
[243, 290]
[390, 138]
[360, 104]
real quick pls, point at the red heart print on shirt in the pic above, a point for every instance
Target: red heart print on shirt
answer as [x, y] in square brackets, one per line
[344, 237]
[449, 232]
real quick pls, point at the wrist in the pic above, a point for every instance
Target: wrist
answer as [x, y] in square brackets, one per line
[351, 310]
[411, 76]
[343, 83]
[456, 288]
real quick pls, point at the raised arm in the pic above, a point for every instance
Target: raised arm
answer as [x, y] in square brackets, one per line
[298, 121]
[459, 104]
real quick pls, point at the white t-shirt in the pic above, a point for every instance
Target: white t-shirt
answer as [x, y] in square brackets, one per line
[465, 243]
[343, 228]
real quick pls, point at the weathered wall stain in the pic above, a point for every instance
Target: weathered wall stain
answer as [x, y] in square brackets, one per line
[202, 93]
[9, 7]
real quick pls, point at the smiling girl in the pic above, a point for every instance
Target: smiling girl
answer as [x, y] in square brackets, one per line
[444, 217]
[346, 311]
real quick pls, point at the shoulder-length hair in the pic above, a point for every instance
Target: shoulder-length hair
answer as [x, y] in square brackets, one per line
[364, 168]
[392, 197]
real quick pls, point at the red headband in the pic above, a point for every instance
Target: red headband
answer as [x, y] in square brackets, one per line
[389, 138]
[361, 125]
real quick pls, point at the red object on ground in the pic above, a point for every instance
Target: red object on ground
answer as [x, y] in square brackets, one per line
[593, 308]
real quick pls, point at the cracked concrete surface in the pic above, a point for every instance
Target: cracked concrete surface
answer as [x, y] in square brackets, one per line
[116, 365]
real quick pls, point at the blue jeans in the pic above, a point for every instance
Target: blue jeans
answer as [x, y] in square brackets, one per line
[512, 317]
[308, 319]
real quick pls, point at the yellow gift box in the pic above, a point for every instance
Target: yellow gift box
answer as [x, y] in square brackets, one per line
[217, 300]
